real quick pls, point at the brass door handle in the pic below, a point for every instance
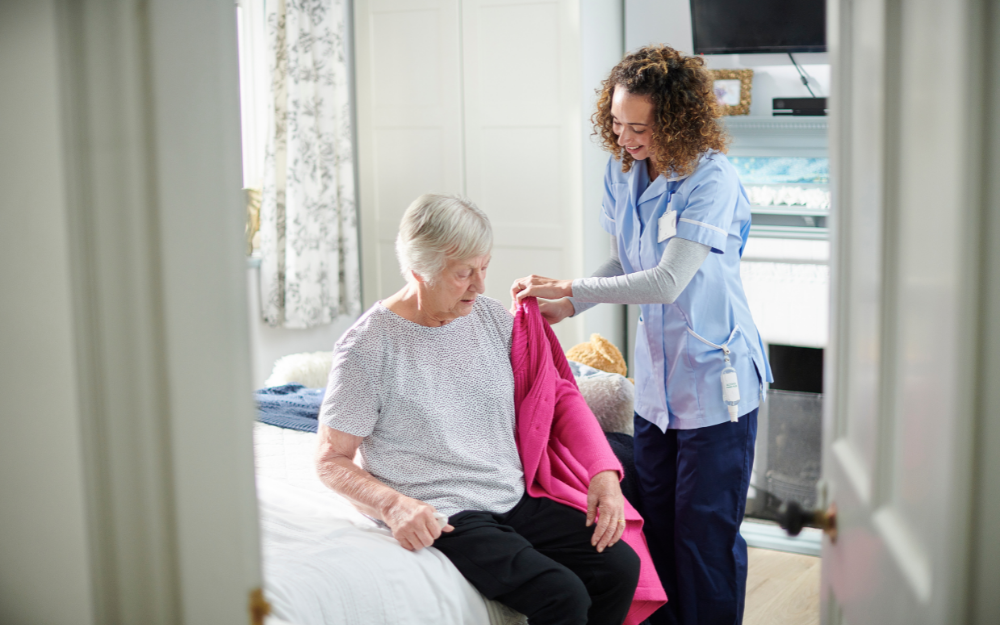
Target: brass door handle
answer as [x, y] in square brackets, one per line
[259, 607]
[792, 518]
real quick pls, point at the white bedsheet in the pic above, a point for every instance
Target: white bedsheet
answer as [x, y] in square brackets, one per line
[325, 563]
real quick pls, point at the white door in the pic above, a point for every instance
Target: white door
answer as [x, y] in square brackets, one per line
[899, 450]
[480, 98]
[408, 70]
[522, 138]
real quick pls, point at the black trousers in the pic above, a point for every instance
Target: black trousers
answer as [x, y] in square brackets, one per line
[537, 559]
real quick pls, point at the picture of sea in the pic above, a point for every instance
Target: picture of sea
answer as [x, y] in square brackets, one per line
[781, 169]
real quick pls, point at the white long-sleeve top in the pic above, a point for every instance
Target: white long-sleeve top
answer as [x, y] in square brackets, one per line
[659, 285]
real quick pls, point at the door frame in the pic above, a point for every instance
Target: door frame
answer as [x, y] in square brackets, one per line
[152, 161]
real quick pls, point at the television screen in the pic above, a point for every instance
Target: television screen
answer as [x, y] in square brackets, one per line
[741, 26]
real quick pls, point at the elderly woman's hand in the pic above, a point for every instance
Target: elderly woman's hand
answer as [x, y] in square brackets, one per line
[412, 523]
[606, 503]
[537, 286]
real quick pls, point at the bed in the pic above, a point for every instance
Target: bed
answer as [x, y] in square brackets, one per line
[325, 563]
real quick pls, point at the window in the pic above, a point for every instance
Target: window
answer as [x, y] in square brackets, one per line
[251, 37]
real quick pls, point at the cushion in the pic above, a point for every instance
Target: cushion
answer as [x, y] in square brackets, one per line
[308, 369]
[598, 353]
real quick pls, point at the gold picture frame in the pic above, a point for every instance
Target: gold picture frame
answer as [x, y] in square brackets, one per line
[732, 100]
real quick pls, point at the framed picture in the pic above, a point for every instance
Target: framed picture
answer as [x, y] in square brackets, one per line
[732, 90]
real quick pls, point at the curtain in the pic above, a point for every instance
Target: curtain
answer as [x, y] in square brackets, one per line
[309, 236]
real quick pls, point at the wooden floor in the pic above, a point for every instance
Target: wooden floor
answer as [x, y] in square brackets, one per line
[782, 589]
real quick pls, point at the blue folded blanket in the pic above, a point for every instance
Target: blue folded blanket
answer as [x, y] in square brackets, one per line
[291, 406]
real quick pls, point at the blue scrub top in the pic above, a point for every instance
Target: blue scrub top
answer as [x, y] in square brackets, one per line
[679, 351]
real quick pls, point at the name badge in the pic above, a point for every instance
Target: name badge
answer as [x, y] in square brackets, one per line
[666, 226]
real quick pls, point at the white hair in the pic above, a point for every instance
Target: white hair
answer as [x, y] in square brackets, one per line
[437, 227]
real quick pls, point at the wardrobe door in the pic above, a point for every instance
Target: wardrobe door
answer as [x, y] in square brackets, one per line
[522, 137]
[409, 99]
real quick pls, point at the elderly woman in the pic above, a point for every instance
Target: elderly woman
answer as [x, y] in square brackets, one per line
[423, 385]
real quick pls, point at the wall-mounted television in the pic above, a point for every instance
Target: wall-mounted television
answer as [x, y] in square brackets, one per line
[748, 26]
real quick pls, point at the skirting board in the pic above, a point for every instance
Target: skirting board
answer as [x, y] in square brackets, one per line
[770, 536]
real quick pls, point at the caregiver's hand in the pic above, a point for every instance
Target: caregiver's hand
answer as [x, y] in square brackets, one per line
[412, 523]
[606, 503]
[537, 286]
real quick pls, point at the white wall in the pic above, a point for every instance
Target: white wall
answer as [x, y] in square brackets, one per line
[267, 343]
[602, 39]
[44, 559]
[658, 21]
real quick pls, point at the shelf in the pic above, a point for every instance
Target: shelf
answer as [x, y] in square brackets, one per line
[783, 136]
[786, 209]
[790, 232]
[777, 136]
[788, 123]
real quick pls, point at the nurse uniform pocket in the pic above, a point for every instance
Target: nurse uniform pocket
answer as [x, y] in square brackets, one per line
[642, 369]
[702, 352]
[758, 364]
[706, 359]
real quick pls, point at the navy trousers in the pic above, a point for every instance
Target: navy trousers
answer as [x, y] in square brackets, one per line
[693, 486]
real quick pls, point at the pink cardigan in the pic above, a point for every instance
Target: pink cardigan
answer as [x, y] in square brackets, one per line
[561, 443]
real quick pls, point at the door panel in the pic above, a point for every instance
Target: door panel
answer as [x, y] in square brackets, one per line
[865, 192]
[898, 445]
[518, 189]
[409, 121]
[517, 60]
[523, 154]
[410, 163]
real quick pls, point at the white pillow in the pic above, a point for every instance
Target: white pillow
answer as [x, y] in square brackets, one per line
[308, 369]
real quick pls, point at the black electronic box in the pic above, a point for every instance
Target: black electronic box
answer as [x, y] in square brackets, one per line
[799, 106]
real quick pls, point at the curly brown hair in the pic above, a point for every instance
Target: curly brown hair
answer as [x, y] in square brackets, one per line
[685, 112]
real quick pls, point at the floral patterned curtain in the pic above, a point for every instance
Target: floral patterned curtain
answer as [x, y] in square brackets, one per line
[309, 236]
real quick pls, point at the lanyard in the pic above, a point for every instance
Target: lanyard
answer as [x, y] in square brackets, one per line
[730, 381]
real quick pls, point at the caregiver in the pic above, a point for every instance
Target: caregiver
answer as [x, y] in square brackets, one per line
[679, 219]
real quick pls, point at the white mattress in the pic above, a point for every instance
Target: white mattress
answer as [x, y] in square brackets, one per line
[325, 563]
